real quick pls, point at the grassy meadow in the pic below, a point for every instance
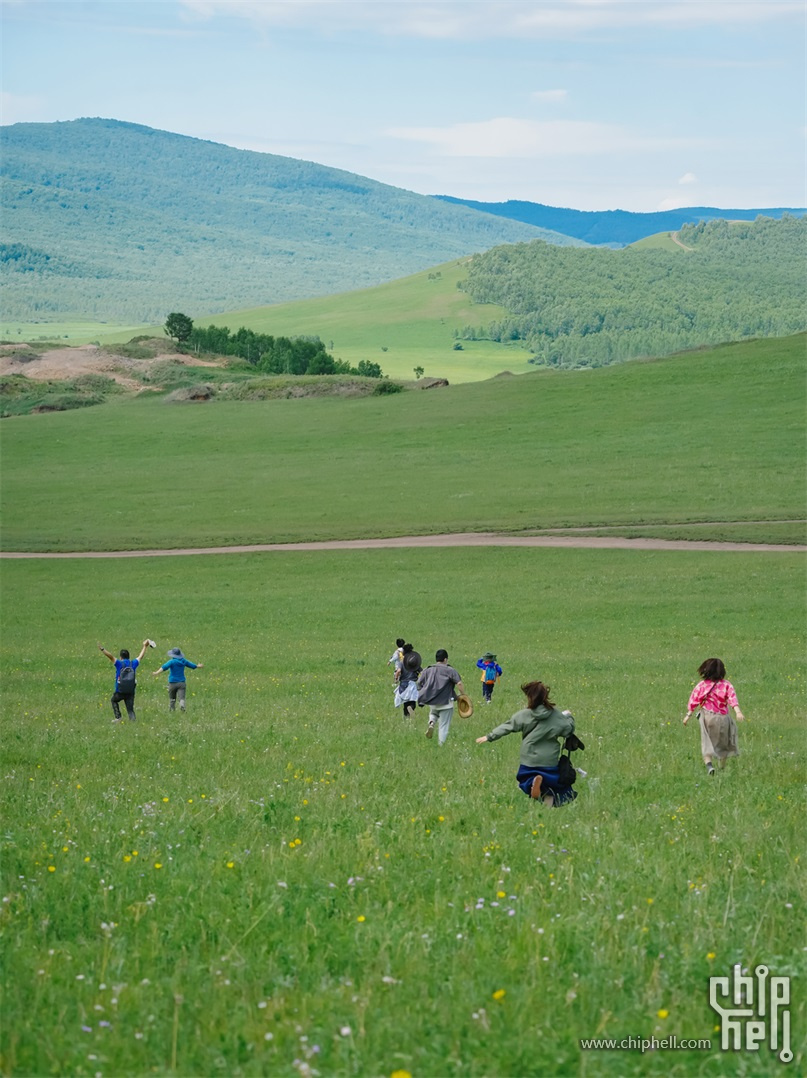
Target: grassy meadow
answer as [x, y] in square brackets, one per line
[290, 879]
[635, 444]
[401, 325]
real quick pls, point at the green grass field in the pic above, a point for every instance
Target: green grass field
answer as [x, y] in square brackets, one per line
[70, 333]
[405, 324]
[660, 241]
[635, 444]
[291, 879]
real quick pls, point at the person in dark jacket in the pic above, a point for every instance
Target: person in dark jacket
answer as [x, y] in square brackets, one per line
[438, 687]
[406, 691]
[124, 692]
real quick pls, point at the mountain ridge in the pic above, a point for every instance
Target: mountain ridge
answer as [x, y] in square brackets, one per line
[616, 228]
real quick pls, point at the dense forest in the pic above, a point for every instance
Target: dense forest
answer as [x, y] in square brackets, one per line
[114, 221]
[588, 308]
[612, 228]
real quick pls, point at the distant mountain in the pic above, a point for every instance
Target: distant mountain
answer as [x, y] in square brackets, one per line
[615, 228]
[114, 221]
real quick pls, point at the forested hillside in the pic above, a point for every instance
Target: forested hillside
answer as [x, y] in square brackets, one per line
[579, 308]
[613, 228]
[113, 221]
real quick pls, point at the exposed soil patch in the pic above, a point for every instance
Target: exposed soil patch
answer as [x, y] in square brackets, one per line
[61, 364]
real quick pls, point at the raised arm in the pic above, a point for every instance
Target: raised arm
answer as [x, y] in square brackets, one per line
[143, 650]
[108, 654]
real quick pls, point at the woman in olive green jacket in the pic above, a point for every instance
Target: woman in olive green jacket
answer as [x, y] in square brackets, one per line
[542, 727]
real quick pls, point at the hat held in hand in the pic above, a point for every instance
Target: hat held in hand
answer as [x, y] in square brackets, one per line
[465, 707]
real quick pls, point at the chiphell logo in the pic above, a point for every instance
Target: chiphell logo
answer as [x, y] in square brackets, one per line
[753, 1010]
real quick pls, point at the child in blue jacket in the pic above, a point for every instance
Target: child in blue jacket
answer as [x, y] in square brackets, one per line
[491, 672]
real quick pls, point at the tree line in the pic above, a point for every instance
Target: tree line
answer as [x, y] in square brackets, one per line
[272, 355]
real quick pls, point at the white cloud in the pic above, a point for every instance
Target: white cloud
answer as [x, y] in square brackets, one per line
[688, 177]
[482, 19]
[549, 95]
[506, 136]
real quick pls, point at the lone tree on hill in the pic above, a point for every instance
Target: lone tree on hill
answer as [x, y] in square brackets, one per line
[178, 326]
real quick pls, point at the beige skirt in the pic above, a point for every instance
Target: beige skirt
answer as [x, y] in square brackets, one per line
[718, 735]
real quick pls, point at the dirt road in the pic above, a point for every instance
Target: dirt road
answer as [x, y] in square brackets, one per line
[462, 539]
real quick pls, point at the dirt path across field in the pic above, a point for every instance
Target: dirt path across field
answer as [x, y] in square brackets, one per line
[674, 236]
[462, 539]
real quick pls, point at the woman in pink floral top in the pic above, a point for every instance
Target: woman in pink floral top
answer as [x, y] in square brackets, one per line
[713, 696]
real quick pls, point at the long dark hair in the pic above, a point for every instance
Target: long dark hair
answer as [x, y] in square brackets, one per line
[537, 693]
[712, 670]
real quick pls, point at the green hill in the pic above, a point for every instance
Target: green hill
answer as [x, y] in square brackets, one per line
[720, 281]
[709, 436]
[114, 221]
[408, 323]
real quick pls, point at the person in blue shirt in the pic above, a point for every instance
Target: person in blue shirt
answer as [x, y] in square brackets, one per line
[124, 692]
[176, 666]
[491, 672]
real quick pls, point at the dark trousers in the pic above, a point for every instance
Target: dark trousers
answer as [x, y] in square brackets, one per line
[176, 691]
[128, 701]
[487, 689]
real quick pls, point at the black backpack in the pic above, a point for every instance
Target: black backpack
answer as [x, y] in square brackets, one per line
[126, 681]
[566, 772]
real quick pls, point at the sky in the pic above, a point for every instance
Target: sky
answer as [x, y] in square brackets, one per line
[591, 104]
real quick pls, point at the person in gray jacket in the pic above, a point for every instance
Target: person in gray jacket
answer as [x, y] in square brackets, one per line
[542, 727]
[438, 687]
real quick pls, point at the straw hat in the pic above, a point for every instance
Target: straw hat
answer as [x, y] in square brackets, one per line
[465, 707]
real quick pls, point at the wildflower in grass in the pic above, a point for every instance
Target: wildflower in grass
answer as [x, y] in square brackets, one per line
[158, 864]
[500, 993]
[51, 868]
[501, 894]
[710, 956]
[346, 1031]
[400, 1074]
[231, 864]
[650, 901]
[662, 1013]
[361, 918]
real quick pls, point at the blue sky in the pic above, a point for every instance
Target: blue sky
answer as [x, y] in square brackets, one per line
[592, 104]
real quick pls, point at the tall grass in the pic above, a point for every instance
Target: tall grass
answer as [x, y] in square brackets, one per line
[290, 878]
[710, 436]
